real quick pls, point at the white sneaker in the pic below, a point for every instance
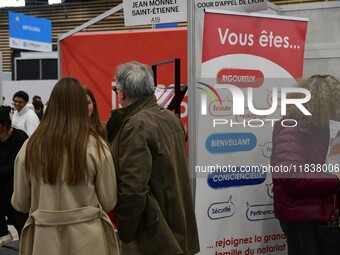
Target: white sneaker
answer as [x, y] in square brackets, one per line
[6, 239]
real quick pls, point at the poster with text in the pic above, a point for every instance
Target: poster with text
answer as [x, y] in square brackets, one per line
[246, 61]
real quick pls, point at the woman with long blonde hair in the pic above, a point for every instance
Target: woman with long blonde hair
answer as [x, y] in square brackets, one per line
[65, 178]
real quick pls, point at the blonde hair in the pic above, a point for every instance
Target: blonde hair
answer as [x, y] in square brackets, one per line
[325, 100]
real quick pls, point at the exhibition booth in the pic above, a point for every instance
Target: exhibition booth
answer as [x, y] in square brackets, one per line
[220, 51]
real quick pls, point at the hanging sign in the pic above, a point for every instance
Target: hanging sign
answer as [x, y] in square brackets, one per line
[29, 33]
[154, 11]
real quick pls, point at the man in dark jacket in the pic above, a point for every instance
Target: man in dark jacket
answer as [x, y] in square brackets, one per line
[155, 211]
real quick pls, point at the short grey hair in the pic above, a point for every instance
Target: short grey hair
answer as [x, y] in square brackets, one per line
[135, 79]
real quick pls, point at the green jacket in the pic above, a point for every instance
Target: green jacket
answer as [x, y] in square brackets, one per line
[155, 206]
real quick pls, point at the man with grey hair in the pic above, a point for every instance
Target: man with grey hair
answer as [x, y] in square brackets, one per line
[155, 210]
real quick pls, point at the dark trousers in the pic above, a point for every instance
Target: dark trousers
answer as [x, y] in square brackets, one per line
[330, 239]
[302, 238]
[15, 218]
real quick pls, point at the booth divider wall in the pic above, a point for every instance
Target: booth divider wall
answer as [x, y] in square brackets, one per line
[93, 57]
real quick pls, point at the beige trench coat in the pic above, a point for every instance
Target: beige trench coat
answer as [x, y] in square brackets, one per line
[68, 219]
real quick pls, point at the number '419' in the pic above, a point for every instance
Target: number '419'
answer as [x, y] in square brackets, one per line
[155, 20]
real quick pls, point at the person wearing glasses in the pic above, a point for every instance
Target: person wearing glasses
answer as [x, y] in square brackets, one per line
[304, 200]
[155, 210]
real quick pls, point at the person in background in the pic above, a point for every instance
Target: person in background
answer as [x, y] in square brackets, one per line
[24, 117]
[100, 128]
[65, 177]
[155, 210]
[38, 108]
[113, 125]
[303, 200]
[36, 98]
[93, 113]
[11, 140]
